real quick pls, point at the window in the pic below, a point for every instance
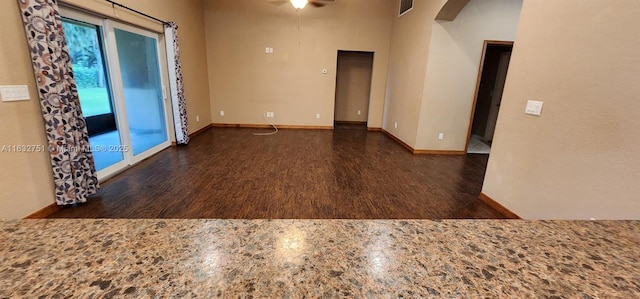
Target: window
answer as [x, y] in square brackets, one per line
[405, 6]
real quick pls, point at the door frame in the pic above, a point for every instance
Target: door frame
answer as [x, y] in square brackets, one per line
[112, 67]
[335, 97]
[485, 45]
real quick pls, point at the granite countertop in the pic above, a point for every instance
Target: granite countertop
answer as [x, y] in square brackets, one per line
[319, 258]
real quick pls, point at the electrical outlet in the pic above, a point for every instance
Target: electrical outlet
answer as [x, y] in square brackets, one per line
[221, 113]
[197, 118]
[317, 115]
[14, 92]
[440, 136]
[395, 125]
[359, 112]
[270, 114]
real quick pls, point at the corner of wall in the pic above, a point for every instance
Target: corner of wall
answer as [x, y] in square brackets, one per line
[454, 62]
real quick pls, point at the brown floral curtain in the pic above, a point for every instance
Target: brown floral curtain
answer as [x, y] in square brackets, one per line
[74, 170]
[178, 100]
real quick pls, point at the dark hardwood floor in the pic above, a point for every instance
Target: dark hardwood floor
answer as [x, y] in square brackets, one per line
[345, 173]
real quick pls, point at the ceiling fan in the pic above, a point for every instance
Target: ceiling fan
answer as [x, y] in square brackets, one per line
[300, 4]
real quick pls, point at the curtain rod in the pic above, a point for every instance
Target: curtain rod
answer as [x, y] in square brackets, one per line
[136, 11]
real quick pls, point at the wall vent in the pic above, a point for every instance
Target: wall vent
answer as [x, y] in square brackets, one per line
[405, 6]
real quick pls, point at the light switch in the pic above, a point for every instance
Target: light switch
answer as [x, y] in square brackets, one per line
[534, 107]
[14, 92]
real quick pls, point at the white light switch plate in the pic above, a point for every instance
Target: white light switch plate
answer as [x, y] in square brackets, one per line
[533, 107]
[14, 92]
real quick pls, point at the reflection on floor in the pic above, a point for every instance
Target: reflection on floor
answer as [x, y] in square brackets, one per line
[478, 146]
[107, 149]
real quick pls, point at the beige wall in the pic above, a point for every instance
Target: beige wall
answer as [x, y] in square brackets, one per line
[580, 158]
[26, 180]
[188, 15]
[353, 86]
[454, 58]
[245, 82]
[26, 183]
[410, 40]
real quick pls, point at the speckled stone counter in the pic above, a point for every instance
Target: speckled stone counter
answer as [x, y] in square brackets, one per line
[319, 258]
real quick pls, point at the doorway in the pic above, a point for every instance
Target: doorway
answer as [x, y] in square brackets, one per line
[118, 76]
[353, 89]
[491, 79]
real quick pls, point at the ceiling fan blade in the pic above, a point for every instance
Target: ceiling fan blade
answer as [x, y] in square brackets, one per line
[319, 3]
[278, 2]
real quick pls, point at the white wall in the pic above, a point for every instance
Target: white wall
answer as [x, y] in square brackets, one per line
[454, 59]
[581, 158]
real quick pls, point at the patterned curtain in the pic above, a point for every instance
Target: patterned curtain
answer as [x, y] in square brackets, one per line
[175, 81]
[71, 158]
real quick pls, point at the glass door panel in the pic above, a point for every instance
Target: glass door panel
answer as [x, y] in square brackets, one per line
[118, 75]
[142, 87]
[89, 67]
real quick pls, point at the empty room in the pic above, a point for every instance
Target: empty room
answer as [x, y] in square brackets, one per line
[320, 148]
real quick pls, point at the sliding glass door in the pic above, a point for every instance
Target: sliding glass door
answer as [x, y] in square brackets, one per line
[85, 39]
[136, 55]
[142, 90]
[119, 81]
